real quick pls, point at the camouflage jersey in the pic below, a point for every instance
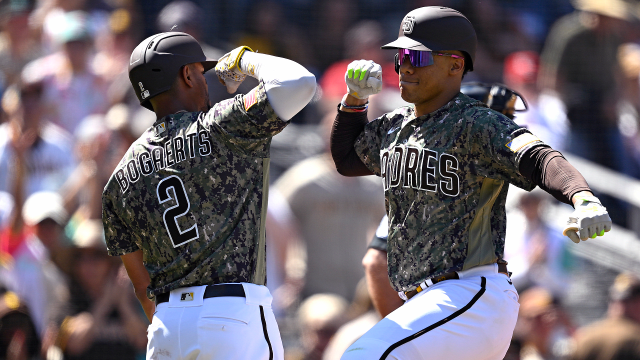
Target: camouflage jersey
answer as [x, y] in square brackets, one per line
[445, 177]
[191, 193]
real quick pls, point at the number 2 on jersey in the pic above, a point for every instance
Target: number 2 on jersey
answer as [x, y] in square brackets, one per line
[181, 208]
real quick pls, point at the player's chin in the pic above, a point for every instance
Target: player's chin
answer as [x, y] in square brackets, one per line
[407, 95]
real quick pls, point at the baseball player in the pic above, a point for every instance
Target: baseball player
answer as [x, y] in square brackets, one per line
[185, 208]
[445, 163]
[385, 299]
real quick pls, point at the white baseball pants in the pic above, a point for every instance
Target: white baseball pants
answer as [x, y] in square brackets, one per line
[471, 318]
[215, 328]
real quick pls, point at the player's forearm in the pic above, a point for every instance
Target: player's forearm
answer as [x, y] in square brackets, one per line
[384, 298]
[548, 169]
[289, 85]
[345, 131]
[148, 306]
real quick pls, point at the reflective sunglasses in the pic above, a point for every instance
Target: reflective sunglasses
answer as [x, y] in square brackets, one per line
[420, 58]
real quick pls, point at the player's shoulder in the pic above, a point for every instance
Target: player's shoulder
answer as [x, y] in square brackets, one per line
[394, 118]
[478, 113]
[400, 113]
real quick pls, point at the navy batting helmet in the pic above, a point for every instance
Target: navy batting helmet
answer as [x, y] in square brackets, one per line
[156, 61]
[437, 28]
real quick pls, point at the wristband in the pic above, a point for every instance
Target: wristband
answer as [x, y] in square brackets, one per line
[355, 108]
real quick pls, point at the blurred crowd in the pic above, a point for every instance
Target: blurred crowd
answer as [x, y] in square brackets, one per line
[68, 114]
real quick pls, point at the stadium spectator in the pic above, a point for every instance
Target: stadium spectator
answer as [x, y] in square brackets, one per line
[579, 62]
[39, 271]
[320, 316]
[543, 326]
[72, 90]
[545, 117]
[617, 336]
[104, 321]
[18, 338]
[336, 216]
[18, 45]
[43, 148]
[535, 249]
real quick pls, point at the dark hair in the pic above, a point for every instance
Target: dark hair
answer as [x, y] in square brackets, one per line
[467, 63]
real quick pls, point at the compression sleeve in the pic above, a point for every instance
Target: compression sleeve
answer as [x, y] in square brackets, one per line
[345, 131]
[289, 85]
[548, 169]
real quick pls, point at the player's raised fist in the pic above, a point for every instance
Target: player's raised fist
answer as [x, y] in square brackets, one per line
[363, 78]
[589, 219]
[228, 69]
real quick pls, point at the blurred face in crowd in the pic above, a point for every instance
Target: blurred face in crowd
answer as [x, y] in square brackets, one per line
[17, 26]
[632, 307]
[530, 206]
[70, 5]
[77, 53]
[31, 106]
[49, 233]
[92, 267]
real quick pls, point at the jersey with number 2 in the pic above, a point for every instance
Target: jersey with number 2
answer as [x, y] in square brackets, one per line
[191, 194]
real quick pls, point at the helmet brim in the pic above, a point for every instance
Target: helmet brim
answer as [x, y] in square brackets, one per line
[404, 42]
[209, 64]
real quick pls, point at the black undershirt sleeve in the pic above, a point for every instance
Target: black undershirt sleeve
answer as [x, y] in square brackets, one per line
[345, 131]
[548, 169]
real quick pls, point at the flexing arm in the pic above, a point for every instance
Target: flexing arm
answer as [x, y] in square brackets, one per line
[345, 131]
[363, 78]
[289, 85]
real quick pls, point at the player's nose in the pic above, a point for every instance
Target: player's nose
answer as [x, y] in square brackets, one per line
[406, 66]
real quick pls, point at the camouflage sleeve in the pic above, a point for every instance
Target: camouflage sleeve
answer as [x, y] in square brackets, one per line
[116, 232]
[248, 116]
[496, 145]
[369, 143]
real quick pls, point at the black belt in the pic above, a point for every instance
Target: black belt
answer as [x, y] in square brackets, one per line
[211, 291]
[502, 268]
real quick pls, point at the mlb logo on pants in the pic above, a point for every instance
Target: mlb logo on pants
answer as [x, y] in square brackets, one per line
[186, 296]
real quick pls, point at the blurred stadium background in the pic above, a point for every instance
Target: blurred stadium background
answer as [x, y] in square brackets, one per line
[68, 114]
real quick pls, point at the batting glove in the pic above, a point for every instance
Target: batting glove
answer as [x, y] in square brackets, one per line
[228, 69]
[588, 220]
[363, 78]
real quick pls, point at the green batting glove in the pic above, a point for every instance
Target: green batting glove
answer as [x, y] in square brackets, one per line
[589, 219]
[363, 78]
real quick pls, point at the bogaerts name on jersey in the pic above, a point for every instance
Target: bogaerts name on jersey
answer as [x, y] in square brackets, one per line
[173, 151]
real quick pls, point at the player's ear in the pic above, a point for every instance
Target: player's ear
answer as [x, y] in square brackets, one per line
[457, 66]
[185, 74]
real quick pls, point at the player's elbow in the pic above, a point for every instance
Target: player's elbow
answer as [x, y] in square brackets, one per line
[374, 261]
[307, 86]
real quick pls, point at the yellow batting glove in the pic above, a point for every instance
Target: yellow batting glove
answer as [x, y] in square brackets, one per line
[228, 69]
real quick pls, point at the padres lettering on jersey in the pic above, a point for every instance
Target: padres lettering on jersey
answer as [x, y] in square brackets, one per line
[445, 176]
[417, 168]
